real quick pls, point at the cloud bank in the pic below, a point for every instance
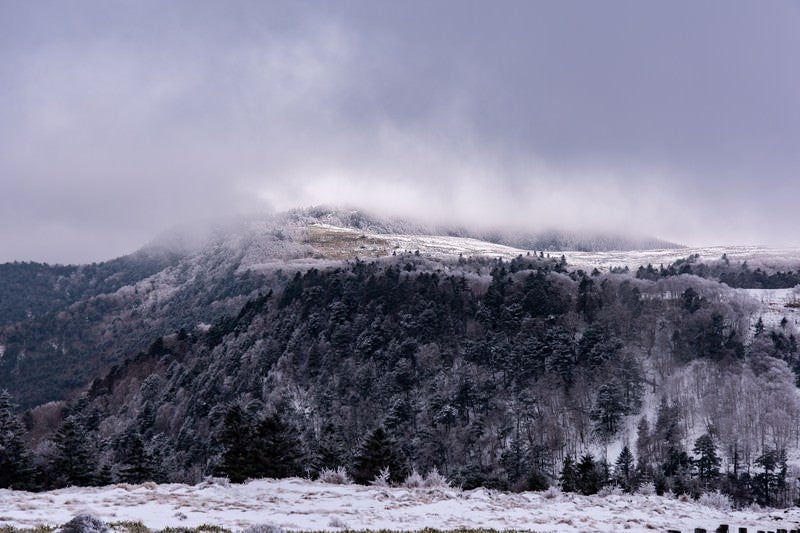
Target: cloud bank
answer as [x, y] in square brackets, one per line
[118, 119]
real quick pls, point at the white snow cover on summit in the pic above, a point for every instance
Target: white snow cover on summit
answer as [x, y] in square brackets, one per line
[298, 504]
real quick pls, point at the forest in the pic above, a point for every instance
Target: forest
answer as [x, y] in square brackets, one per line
[515, 375]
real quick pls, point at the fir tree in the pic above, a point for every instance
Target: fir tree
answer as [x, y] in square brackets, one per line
[16, 464]
[236, 438]
[74, 458]
[590, 479]
[707, 462]
[376, 452]
[136, 464]
[278, 451]
[624, 469]
[569, 475]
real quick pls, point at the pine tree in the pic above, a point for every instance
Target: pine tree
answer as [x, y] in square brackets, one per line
[608, 411]
[708, 462]
[136, 464]
[589, 476]
[16, 463]
[74, 458]
[237, 439]
[624, 469]
[376, 452]
[758, 329]
[278, 451]
[569, 475]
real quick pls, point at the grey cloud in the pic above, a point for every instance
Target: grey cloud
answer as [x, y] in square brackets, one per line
[118, 119]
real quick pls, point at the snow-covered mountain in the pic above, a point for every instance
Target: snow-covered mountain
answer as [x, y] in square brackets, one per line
[495, 364]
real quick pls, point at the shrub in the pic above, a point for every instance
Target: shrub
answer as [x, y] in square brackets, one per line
[716, 500]
[382, 478]
[435, 480]
[414, 481]
[646, 489]
[84, 523]
[552, 493]
[338, 476]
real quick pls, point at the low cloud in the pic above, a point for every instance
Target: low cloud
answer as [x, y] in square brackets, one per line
[118, 125]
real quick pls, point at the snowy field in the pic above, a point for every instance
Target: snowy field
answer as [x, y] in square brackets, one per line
[442, 246]
[298, 504]
[777, 304]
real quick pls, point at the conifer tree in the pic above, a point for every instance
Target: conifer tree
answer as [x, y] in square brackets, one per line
[569, 475]
[16, 464]
[624, 469]
[73, 463]
[376, 452]
[236, 438]
[278, 451]
[589, 476]
[707, 462]
[136, 462]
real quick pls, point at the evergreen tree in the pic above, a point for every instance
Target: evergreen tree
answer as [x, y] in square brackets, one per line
[278, 451]
[707, 462]
[590, 479]
[74, 458]
[608, 411]
[758, 329]
[16, 463]
[624, 469]
[768, 483]
[376, 452]
[569, 475]
[236, 438]
[136, 464]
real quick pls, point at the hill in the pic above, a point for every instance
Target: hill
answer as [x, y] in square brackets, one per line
[257, 351]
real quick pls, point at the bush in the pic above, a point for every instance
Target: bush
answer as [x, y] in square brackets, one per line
[414, 481]
[84, 523]
[646, 489]
[435, 480]
[610, 490]
[716, 500]
[339, 476]
[552, 493]
[263, 528]
[382, 479]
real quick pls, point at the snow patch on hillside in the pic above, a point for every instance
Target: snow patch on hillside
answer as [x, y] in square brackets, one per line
[306, 505]
[777, 304]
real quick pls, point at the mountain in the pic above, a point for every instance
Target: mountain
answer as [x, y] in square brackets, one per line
[549, 239]
[317, 339]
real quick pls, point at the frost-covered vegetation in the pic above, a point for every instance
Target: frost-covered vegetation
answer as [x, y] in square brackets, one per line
[514, 375]
[276, 506]
[252, 355]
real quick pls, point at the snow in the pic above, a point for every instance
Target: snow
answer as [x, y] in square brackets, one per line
[774, 305]
[299, 504]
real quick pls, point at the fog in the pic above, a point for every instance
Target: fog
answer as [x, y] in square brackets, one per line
[120, 119]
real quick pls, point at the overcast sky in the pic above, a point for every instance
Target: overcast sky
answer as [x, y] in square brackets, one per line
[119, 119]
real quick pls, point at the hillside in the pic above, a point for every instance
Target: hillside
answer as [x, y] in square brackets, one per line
[258, 351]
[62, 325]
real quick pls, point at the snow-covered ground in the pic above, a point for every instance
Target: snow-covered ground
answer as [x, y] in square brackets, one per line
[447, 246]
[299, 504]
[777, 304]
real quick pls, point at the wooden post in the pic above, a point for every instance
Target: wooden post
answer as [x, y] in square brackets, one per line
[723, 528]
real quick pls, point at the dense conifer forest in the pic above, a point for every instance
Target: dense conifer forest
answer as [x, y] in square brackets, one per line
[515, 375]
